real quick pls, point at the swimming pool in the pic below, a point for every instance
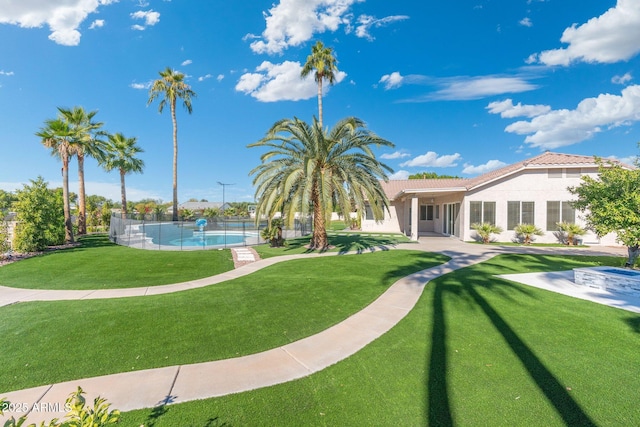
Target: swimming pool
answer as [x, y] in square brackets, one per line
[210, 238]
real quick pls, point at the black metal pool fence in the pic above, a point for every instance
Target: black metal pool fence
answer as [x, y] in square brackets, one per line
[150, 232]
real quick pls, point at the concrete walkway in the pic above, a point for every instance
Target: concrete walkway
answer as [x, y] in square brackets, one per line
[174, 384]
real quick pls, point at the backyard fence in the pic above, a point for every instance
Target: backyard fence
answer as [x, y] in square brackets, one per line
[151, 232]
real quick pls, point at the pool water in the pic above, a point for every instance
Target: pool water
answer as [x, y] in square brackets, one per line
[208, 240]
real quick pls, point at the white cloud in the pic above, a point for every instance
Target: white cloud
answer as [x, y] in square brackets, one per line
[620, 80]
[280, 82]
[480, 169]
[366, 22]
[187, 62]
[150, 18]
[526, 22]
[400, 175]
[220, 77]
[559, 128]
[507, 110]
[608, 38]
[205, 77]
[140, 86]
[63, 17]
[395, 155]
[431, 159]
[98, 23]
[6, 73]
[467, 88]
[391, 81]
[293, 22]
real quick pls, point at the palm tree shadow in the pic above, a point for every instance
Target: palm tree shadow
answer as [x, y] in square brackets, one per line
[159, 411]
[634, 323]
[466, 286]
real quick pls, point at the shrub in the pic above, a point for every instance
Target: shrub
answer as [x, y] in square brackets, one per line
[273, 233]
[485, 230]
[78, 416]
[570, 231]
[39, 216]
[525, 232]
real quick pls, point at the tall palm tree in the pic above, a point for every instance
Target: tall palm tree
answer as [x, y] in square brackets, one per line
[309, 167]
[121, 154]
[169, 87]
[57, 136]
[324, 65]
[85, 142]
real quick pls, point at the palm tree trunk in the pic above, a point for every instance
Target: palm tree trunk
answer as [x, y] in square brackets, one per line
[319, 237]
[82, 207]
[320, 102]
[175, 161]
[123, 194]
[68, 227]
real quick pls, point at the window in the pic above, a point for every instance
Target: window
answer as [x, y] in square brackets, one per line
[426, 212]
[423, 212]
[437, 211]
[554, 173]
[368, 213]
[480, 212]
[559, 212]
[475, 212]
[520, 213]
[574, 173]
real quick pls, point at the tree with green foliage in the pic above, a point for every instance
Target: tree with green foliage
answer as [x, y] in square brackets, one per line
[58, 136]
[308, 167]
[485, 230]
[6, 201]
[169, 88]
[324, 65]
[431, 175]
[86, 142]
[611, 203]
[39, 216]
[120, 154]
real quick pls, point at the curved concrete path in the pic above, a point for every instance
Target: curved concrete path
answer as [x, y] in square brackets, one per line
[174, 384]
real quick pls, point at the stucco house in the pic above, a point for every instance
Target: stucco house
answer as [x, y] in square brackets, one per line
[530, 191]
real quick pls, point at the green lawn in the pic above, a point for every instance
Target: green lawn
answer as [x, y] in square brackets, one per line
[99, 264]
[348, 241]
[475, 351]
[46, 342]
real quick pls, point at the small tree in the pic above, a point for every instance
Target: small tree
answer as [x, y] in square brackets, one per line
[526, 232]
[40, 217]
[569, 231]
[5, 245]
[485, 230]
[611, 203]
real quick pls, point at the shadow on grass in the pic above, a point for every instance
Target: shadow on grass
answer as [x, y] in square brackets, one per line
[349, 242]
[634, 323]
[466, 285]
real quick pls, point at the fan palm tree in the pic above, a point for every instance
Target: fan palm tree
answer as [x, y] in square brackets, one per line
[85, 142]
[310, 168]
[170, 87]
[324, 65]
[57, 136]
[121, 154]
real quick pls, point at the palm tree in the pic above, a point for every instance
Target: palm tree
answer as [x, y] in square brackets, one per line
[120, 154]
[57, 136]
[85, 142]
[325, 65]
[308, 167]
[169, 87]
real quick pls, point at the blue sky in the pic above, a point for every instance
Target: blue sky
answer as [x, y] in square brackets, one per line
[460, 87]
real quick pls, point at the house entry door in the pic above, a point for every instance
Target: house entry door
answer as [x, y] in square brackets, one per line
[451, 211]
